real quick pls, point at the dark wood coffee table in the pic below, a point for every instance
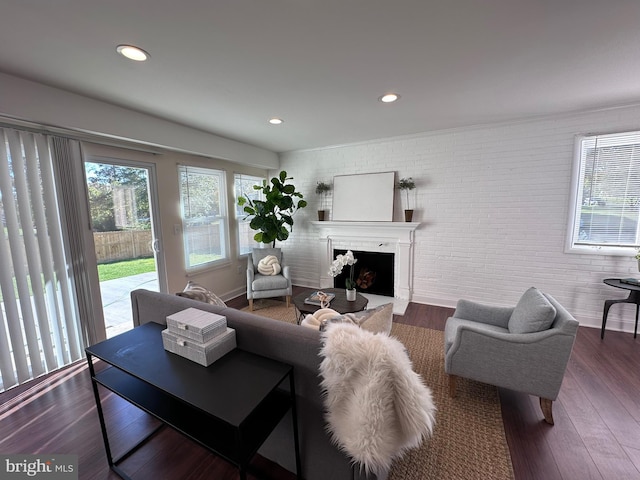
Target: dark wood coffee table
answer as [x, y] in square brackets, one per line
[340, 303]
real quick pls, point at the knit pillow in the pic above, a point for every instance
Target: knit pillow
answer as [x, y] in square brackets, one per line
[319, 317]
[269, 265]
[195, 291]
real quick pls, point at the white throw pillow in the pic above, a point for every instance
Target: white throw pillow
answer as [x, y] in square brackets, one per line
[269, 265]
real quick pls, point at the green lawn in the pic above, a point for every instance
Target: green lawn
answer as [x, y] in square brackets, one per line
[111, 271]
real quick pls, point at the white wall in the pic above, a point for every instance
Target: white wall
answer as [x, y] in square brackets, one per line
[34, 102]
[494, 203]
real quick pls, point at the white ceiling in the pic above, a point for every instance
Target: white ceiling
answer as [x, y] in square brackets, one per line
[227, 66]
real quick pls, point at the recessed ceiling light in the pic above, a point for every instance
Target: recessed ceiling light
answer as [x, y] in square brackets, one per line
[276, 121]
[132, 53]
[389, 97]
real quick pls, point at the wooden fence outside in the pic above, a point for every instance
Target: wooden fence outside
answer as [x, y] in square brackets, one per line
[123, 245]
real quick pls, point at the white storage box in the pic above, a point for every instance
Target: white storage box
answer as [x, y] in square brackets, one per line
[202, 353]
[197, 324]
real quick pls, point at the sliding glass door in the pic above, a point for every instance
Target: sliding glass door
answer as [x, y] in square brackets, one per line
[127, 245]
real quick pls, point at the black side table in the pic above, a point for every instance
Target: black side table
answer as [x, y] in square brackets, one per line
[634, 297]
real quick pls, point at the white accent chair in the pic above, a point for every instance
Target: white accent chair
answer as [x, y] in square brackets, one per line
[267, 286]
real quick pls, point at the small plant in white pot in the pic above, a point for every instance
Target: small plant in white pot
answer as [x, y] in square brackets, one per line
[406, 185]
[323, 190]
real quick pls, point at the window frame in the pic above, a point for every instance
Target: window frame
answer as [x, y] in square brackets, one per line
[239, 219]
[222, 218]
[572, 244]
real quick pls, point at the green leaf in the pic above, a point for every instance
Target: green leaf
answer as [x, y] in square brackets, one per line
[285, 203]
[302, 203]
[288, 189]
[256, 223]
[241, 201]
[283, 234]
[283, 175]
[276, 183]
[287, 219]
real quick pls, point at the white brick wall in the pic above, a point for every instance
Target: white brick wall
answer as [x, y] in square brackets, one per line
[494, 202]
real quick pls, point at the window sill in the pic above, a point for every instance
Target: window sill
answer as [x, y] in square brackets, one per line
[602, 250]
[209, 267]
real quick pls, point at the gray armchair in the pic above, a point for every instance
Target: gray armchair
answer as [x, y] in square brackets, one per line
[524, 348]
[267, 286]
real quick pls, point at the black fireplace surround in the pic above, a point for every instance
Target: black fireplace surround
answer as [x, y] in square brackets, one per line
[373, 272]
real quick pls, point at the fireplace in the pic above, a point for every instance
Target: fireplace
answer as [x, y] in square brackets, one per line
[373, 272]
[395, 238]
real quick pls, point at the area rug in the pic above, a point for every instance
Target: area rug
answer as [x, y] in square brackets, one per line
[468, 442]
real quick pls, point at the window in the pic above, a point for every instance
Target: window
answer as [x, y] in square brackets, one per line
[244, 188]
[606, 193]
[204, 216]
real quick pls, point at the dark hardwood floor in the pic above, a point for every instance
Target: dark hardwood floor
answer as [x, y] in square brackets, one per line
[596, 433]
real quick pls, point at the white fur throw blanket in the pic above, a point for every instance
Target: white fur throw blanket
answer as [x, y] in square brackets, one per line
[377, 407]
[269, 265]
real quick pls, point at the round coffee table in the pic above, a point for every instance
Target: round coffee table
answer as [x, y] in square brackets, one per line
[340, 303]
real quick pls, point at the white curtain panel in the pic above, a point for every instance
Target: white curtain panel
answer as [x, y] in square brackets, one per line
[39, 322]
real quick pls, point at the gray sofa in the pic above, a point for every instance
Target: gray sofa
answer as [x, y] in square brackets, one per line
[292, 344]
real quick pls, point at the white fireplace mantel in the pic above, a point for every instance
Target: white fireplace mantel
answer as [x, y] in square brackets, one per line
[393, 237]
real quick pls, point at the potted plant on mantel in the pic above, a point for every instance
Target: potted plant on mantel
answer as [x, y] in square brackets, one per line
[322, 189]
[407, 184]
[272, 218]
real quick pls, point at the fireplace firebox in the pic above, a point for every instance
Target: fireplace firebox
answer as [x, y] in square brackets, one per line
[373, 272]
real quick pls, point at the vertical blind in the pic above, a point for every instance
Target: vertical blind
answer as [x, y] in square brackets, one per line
[39, 327]
[608, 200]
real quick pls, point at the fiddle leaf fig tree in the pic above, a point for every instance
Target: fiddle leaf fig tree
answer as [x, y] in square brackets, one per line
[272, 218]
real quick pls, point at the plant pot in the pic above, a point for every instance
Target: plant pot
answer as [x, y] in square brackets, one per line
[321, 215]
[351, 295]
[408, 215]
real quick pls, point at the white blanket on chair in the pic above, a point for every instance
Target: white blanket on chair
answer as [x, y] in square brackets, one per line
[376, 406]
